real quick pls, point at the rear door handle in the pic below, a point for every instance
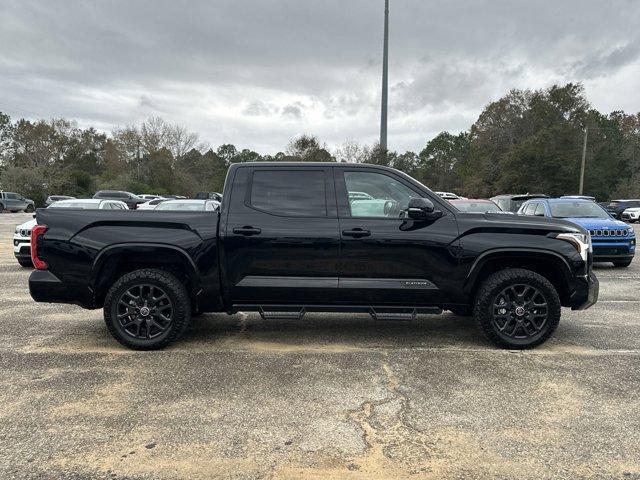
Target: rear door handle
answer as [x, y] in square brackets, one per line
[247, 231]
[356, 233]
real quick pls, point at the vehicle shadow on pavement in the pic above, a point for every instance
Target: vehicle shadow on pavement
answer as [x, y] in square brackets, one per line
[332, 332]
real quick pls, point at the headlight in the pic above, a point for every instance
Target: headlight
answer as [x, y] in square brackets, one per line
[580, 241]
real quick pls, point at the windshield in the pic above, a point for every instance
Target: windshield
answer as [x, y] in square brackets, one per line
[477, 207]
[182, 206]
[83, 205]
[577, 210]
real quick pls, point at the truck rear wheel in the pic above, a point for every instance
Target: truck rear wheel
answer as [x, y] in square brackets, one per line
[147, 309]
[517, 308]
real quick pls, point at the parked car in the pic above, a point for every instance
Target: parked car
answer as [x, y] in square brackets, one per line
[512, 203]
[470, 205]
[22, 243]
[209, 196]
[613, 241]
[152, 204]
[189, 205]
[148, 197]
[22, 234]
[91, 204]
[631, 215]
[130, 199]
[616, 207]
[448, 195]
[56, 198]
[286, 241]
[14, 202]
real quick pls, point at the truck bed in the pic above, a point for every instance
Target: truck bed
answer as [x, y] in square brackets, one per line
[83, 244]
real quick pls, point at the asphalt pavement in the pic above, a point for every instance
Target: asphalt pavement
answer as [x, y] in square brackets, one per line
[331, 396]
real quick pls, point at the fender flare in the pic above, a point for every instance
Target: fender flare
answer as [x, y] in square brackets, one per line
[511, 252]
[107, 253]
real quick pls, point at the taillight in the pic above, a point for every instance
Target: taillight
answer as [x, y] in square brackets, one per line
[36, 232]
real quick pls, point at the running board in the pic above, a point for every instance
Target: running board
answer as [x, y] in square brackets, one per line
[297, 312]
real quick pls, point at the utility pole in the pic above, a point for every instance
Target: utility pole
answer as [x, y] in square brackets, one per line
[385, 79]
[584, 159]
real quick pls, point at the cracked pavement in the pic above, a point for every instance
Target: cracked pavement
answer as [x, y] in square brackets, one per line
[331, 396]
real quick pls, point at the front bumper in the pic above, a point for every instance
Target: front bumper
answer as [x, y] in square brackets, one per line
[585, 292]
[21, 245]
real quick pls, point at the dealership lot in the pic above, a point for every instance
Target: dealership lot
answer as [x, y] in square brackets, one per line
[332, 396]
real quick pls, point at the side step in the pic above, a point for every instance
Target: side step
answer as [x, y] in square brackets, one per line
[297, 312]
[401, 315]
[281, 315]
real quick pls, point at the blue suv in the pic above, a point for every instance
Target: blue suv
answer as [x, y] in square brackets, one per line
[613, 241]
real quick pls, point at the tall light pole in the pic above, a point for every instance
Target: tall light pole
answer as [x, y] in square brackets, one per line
[584, 160]
[385, 78]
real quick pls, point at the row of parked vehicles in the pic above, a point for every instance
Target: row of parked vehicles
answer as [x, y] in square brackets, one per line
[612, 239]
[110, 200]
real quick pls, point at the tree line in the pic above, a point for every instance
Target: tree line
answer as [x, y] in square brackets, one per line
[527, 141]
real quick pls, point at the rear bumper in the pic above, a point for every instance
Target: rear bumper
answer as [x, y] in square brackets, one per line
[585, 292]
[44, 286]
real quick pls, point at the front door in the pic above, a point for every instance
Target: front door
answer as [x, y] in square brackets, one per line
[281, 240]
[385, 257]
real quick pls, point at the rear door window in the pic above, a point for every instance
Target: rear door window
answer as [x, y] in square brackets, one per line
[529, 208]
[292, 193]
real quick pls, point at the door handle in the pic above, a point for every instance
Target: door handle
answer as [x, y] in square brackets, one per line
[247, 231]
[356, 233]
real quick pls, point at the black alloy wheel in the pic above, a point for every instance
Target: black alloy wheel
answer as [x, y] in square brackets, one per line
[517, 308]
[520, 311]
[144, 311]
[147, 309]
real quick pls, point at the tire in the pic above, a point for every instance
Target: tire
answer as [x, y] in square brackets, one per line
[622, 263]
[1, 208]
[25, 262]
[168, 309]
[462, 311]
[29, 209]
[523, 322]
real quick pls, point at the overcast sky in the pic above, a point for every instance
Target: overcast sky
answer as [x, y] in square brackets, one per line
[258, 72]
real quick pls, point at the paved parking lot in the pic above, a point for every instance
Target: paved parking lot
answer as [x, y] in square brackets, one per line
[333, 396]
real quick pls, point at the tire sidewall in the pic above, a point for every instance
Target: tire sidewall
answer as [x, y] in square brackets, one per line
[181, 311]
[487, 296]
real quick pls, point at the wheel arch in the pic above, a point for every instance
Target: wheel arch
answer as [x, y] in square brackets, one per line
[117, 260]
[551, 265]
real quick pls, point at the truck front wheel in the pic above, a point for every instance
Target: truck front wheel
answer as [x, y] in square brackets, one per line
[147, 309]
[517, 308]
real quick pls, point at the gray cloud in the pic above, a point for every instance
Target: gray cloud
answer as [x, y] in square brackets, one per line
[227, 69]
[293, 110]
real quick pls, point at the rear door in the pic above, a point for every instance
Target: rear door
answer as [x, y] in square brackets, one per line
[385, 258]
[13, 202]
[281, 240]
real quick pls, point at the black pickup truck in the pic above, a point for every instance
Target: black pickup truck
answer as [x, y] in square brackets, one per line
[292, 238]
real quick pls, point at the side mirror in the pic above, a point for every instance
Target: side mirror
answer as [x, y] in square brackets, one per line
[422, 209]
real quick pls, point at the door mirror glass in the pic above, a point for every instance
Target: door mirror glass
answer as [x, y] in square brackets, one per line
[422, 209]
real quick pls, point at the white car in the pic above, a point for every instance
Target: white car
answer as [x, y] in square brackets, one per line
[631, 215]
[151, 204]
[22, 234]
[149, 197]
[189, 205]
[22, 243]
